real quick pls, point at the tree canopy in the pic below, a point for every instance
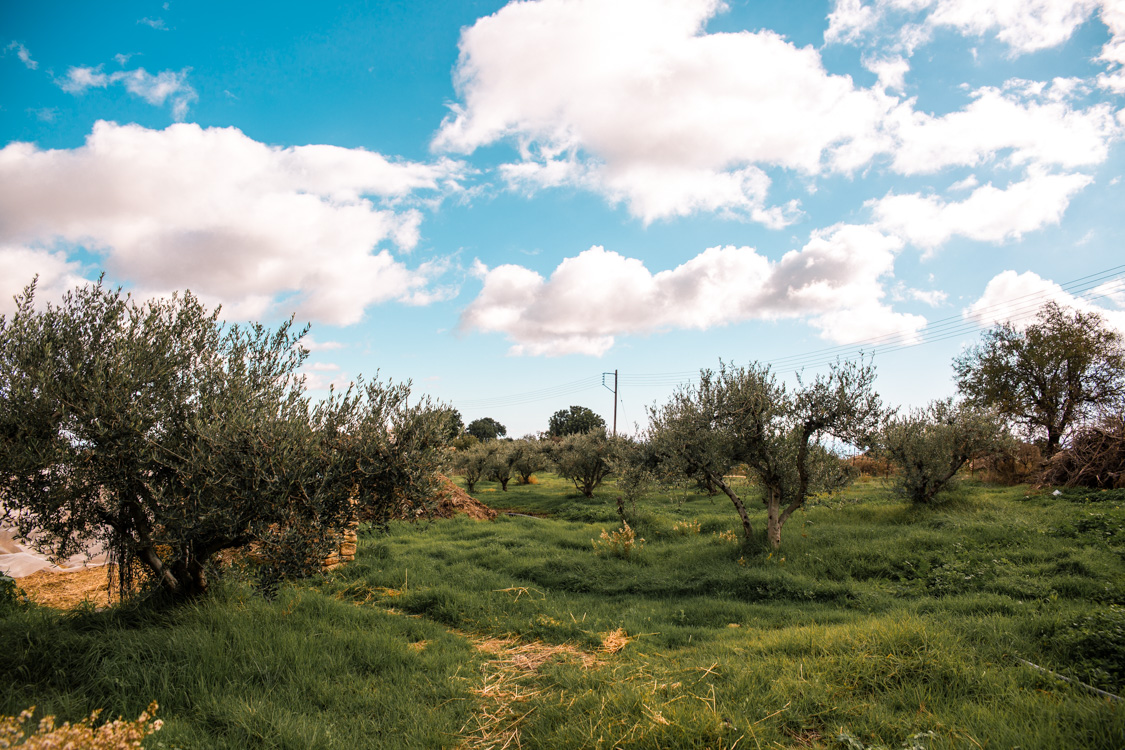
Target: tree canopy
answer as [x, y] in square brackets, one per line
[1046, 378]
[574, 420]
[486, 428]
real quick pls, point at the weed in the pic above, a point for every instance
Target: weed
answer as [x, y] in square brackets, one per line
[623, 542]
[684, 528]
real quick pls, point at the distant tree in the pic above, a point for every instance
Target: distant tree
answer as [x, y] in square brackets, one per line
[472, 463]
[486, 428]
[930, 445]
[634, 466]
[743, 415]
[168, 437]
[530, 458]
[583, 458]
[1057, 372]
[502, 456]
[574, 420]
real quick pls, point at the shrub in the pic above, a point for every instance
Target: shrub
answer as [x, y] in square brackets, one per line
[929, 445]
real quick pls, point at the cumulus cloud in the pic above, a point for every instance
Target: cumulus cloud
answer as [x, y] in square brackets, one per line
[1024, 26]
[165, 86]
[634, 100]
[1024, 122]
[890, 70]
[20, 264]
[236, 221]
[629, 97]
[23, 54]
[597, 295]
[989, 214]
[1014, 298]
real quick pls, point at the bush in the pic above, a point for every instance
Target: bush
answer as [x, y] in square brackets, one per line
[930, 445]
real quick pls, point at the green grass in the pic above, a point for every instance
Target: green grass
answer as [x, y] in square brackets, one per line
[877, 623]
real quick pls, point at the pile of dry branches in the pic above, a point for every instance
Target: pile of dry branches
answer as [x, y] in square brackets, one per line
[1094, 458]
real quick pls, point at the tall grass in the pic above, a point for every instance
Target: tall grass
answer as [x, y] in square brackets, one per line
[877, 624]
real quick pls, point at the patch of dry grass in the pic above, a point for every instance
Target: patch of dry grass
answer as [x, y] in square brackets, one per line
[506, 689]
[68, 589]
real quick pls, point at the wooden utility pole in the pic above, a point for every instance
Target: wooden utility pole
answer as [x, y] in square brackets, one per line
[614, 389]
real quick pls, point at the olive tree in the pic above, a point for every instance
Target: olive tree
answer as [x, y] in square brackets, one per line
[583, 458]
[529, 458]
[744, 415]
[634, 467]
[169, 437]
[930, 445]
[1049, 376]
[472, 463]
[502, 456]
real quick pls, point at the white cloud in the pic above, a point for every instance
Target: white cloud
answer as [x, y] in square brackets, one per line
[1023, 25]
[316, 346]
[20, 264]
[167, 85]
[1014, 298]
[597, 295]
[890, 70]
[318, 381]
[630, 97]
[80, 77]
[848, 20]
[1030, 123]
[23, 54]
[989, 214]
[669, 120]
[239, 222]
[154, 23]
[968, 183]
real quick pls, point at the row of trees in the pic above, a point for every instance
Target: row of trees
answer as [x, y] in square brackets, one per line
[572, 421]
[583, 458]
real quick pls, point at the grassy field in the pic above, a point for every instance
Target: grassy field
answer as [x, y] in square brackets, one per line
[878, 625]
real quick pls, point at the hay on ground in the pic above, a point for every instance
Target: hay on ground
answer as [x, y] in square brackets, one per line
[452, 500]
[499, 715]
[67, 589]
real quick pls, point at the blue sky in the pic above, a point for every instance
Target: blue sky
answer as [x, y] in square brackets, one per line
[502, 202]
